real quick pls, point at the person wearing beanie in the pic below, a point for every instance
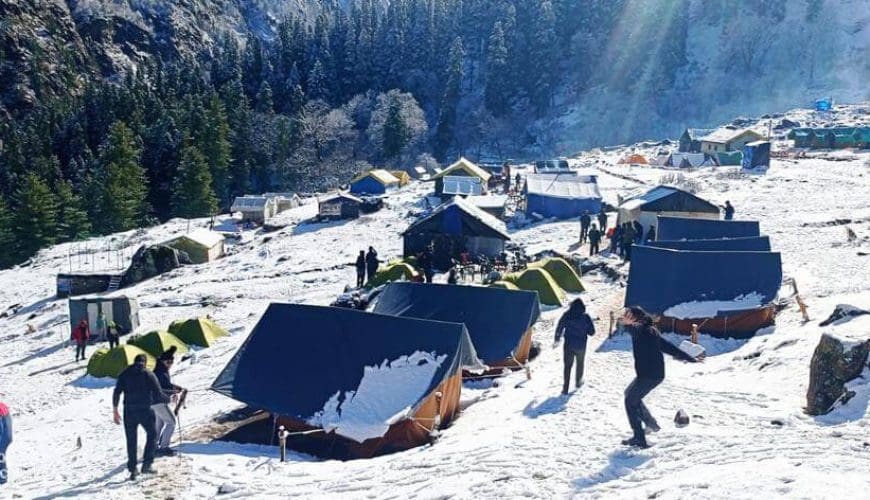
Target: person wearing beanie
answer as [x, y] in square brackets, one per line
[165, 418]
[141, 390]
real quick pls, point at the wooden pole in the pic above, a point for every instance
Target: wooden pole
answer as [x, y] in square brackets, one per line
[800, 302]
[694, 336]
[610, 328]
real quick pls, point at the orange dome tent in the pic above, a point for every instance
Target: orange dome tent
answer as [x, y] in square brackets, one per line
[634, 159]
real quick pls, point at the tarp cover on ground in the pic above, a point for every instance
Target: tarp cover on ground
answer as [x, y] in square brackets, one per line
[685, 228]
[660, 278]
[497, 319]
[353, 373]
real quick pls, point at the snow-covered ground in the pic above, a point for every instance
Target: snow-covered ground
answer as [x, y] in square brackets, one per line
[748, 436]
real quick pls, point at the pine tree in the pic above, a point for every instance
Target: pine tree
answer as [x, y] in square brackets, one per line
[8, 242]
[72, 220]
[497, 72]
[126, 187]
[241, 136]
[215, 146]
[317, 86]
[35, 216]
[264, 99]
[395, 130]
[543, 56]
[192, 195]
[450, 100]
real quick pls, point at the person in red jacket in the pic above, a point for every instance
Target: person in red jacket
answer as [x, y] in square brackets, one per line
[5, 439]
[80, 336]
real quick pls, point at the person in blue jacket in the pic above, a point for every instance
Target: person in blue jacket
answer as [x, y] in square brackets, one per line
[649, 365]
[575, 325]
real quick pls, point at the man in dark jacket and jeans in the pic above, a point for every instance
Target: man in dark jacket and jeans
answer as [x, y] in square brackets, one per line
[576, 325]
[141, 390]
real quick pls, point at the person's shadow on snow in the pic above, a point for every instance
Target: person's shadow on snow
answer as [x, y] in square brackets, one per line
[549, 406]
[620, 463]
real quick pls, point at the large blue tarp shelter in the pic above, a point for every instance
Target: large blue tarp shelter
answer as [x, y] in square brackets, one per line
[685, 228]
[374, 182]
[497, 319]
[561, 196]
[756, 154]
[661, 278]
[298, 356]
[753, 244]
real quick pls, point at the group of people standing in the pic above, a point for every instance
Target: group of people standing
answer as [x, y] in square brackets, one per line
[366, 263]
[105, 330]
[648, 347]
[147, 396]
[589, 231]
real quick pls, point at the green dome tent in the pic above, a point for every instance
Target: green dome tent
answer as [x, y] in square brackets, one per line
[561, 271]
[111, 363]
[507, 285]
[157, 342]
[393, 272]
[197, 331]
[539, 280]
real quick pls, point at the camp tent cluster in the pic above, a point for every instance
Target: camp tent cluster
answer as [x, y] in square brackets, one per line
[646, 206]
[550, 278]
[259, 208]
[718, 275]
[201, 332]
[831, 137]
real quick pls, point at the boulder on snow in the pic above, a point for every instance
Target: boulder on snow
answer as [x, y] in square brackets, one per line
[681, 419]
[786, 123]
[152, 261]
[843, 312]
[835, 361]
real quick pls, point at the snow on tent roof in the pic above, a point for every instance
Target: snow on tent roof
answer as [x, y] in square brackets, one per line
[462, 185]
[489, 201]
[751, 244]
[380, 175]
[204, 237]
[697, 134]
[685, 228]
[694, 159]
[496, 319]
[242, 203]
[464, 165]
[459, 216]
[725, 134]
[339, 196]
[562, 186]
[668, 199]
[346, 371]
[661, 278]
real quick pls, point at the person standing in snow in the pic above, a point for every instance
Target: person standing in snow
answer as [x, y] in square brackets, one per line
[575, 325]
[729, 210]
[638, 232]
[112, 334]
[164, 417]
[372, 263]
[361, 269]
[585, 221]
[517, 180]
[649, 366]
[426, 264]
[80, 336]
[651, 234]
[141, 390]
[101, 326]
[5, 441]
[602, 220]
[616, 240]
[594, 239]
[628, 236]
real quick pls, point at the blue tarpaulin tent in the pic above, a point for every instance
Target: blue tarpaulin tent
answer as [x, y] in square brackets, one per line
[562, 196]
[374, 182]
[753, 244]
[309, 365]
[756, 154]
[825, 104]
[499, 321]
[683, 228]
[661, 278]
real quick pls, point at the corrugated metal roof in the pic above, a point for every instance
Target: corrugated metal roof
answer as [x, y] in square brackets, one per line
[561, 186]
[462, 185]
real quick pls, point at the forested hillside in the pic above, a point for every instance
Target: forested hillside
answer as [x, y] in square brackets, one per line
[117, 114]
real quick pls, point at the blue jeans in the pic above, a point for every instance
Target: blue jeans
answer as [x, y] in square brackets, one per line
[5, 439]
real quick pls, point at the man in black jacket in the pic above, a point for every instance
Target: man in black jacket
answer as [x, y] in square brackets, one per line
[361, 269]
[585, 221]
[649, 366]
[576, 325]
[141, 390]
[594, 240]
[372, 262]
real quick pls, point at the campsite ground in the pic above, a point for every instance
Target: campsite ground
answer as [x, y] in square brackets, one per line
[748, 437]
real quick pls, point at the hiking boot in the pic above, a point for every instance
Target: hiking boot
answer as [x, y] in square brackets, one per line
[636, 442]
[147, 469]
[133, 475]
[653, 426]
[165, 452]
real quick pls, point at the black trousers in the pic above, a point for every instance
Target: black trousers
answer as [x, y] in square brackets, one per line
[584, 231]
[80, 350]
[637, 412]
[133, 418]
[360, 277]
[593, 248]
[572, 356]
[113, 340]
[372, 271]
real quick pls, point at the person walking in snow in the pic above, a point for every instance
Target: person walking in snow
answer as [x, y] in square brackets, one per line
[585, 221]
[372, 263]
[651, 234]
[649, 366]
[164, 417]
[141, 390]
[361, 269]
[80, 336]
[729, 210]
[576, 326]
[602, 220]
[5, 441]
[594, 239]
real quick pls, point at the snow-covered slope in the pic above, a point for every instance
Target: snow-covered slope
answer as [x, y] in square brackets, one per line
[748, 436]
